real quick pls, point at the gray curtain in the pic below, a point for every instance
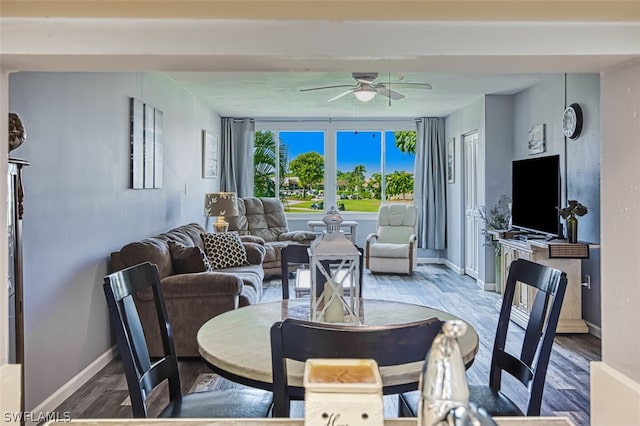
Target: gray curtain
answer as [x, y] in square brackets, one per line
[236, 154]
[430, 184]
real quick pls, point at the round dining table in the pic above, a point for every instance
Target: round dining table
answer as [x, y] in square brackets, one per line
[237, 346]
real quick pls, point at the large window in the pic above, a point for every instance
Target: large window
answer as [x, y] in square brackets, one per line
[359, 170]
[355, 170]
[302, 189]
[373, 166]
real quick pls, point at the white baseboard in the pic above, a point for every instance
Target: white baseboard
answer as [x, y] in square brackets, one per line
[432, 260]
[615, 397]
[485, 285]
[455, 268]
[594, 330]
[54, 400]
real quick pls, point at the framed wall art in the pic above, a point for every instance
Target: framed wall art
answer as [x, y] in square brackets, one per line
[451, 161]
[136, 140]
[149, 145]
[210, 149]
[537, 142]
[146, 141]
[158, 147]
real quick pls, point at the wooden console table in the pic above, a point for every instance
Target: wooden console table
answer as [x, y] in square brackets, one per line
[538, 251]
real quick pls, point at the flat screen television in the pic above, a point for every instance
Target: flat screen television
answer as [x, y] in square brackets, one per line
[535, 194]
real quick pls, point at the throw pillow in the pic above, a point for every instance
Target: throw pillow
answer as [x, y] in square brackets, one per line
[224, 250]
[187, 259]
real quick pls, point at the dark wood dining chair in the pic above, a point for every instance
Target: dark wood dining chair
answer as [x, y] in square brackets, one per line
[295, 254]
[143, 374]
[300, 340]
[292, 254]
[530, 366]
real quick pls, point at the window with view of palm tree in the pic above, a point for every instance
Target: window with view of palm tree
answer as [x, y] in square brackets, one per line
[370, 166]
[406, 141]
[373, 165]
[265, 160]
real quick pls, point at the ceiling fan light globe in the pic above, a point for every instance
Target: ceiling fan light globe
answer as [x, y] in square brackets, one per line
[365, 95]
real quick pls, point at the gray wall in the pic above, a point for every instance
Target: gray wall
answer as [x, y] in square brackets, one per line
[499, 151]
[583, 182]
[78, 207]
[503, 124]
[492, 117]
[457, 124]
[579, 159]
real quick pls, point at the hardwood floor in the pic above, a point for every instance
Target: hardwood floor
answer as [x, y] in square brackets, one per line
[566, 391]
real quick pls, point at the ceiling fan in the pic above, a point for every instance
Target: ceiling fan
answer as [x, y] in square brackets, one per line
[365, 88]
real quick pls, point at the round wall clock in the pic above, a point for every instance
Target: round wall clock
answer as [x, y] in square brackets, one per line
[572, 121]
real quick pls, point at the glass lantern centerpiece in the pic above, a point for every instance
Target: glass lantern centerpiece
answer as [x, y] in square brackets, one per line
[334, 261]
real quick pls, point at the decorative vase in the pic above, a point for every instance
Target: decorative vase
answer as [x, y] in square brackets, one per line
[572, 229]
[17, 132]
[499, 272]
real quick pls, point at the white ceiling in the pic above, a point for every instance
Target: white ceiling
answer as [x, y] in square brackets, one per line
[276, 94]
[256, 68]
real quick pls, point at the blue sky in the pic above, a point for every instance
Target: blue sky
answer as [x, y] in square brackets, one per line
[353, 149]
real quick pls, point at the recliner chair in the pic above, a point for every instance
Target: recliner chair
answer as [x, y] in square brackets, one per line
[263, 220]
[392, 249]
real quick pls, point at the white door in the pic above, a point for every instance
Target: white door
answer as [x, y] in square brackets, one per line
[472, 223]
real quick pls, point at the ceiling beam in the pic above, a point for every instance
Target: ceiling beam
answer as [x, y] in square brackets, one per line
[335, 10]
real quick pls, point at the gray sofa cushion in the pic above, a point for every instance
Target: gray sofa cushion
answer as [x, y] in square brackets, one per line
[265, 219]
[187, 259]
[262, 217]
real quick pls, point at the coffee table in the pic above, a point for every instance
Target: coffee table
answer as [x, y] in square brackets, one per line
[236, 344]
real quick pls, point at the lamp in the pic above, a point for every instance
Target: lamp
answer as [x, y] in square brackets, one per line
[365, 94]
[220, 204]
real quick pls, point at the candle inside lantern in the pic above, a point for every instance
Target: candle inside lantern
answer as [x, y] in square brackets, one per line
[334, 311]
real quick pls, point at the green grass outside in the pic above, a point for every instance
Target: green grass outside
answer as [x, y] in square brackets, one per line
[365, 206]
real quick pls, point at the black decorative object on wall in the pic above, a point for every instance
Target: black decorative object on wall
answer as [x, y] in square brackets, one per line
[572, 121]
[17, 132]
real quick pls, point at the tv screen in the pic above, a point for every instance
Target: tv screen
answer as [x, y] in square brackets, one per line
[535, 194]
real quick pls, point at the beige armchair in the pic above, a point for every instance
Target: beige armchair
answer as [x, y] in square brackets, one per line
[392, 249]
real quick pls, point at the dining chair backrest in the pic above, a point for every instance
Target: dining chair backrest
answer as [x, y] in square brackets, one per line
[291, 254]
[142, 375]
[300, 340]
[294, 254]
[530, 366]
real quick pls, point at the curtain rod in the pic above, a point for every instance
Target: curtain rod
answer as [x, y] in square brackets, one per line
[238, 120]
[332, 120]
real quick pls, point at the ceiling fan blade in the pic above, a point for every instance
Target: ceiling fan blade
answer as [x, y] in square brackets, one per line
[342, 95]
[391, 94]
[328, 87]
[412, 85]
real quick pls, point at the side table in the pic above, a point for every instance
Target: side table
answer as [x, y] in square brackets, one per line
[348, 226]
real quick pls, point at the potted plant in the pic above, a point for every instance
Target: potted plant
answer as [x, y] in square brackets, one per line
[498, 218]
[574, 208]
